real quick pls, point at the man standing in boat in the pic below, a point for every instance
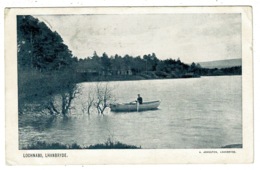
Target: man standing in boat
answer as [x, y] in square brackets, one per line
[139, 99]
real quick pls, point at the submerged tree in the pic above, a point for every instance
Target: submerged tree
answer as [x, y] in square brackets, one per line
[87, 105]
[62, 103]
[104, 95]
[67, 98]
[99, 96]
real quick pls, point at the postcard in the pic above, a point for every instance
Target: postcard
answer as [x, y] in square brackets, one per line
[129, 85]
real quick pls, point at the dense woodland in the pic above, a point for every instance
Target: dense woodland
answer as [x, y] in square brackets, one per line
[146, 67]
[46, 66]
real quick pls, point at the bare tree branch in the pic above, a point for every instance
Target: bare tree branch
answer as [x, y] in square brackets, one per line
[104, 96]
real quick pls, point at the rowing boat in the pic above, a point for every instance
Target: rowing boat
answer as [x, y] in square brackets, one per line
[133, 106]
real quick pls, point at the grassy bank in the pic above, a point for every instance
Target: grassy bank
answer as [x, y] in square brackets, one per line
[36, 87]
[107, 145]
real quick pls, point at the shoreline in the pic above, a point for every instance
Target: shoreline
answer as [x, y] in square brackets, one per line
[139, 78]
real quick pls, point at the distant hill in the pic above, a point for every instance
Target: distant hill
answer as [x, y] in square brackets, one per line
[221, 63]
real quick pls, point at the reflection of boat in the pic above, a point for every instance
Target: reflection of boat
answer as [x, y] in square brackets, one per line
[133, 106]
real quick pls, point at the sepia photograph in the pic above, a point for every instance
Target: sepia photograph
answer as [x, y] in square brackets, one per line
[132, 79]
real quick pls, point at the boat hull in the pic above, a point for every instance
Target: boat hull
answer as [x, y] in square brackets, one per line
[131, 107]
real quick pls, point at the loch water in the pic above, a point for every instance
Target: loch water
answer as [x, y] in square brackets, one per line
[194, 113]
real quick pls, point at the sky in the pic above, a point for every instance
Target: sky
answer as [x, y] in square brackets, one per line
[189, 37]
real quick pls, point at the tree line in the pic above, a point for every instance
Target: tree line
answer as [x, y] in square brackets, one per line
[146, 67]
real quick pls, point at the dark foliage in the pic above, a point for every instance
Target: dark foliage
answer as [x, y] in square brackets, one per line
[45, 64]
[113, 145]
[39, 47]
